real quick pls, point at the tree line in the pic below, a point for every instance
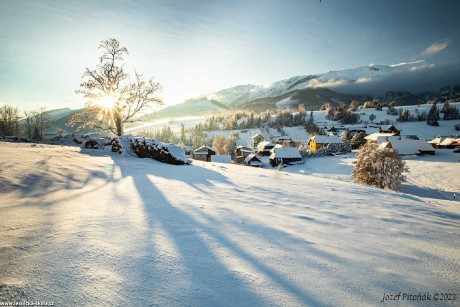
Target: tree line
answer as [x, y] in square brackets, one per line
[32, 125]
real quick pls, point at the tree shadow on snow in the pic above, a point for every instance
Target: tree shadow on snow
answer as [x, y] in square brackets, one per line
[197, 276]
[426, 192]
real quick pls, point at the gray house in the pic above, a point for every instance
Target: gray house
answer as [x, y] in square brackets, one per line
[204, 153]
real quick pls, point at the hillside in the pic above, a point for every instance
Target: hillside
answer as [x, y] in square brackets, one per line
[96, 228]
[191, 107]
[61, 118]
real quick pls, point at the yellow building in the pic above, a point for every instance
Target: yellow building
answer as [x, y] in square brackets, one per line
[318, 141]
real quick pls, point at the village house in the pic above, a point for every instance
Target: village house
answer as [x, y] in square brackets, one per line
[444, 142]
[318, 141]
[264, 148]
[204, 153]
[285, 155]
[389, 129]
[276, 146]
[332, 131]
[241, 152]
[379, 138]
[256, 140]
[253, 160]
[406, 146]
[285, 140]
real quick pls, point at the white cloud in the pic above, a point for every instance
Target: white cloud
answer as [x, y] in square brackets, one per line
[435, 48]
[408, 63]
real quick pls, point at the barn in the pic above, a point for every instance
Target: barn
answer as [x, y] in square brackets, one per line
[264, 148]
[204, 153]
[285, 155]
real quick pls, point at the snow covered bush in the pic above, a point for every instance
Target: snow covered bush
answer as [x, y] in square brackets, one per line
[94, 143]
[166, 153]
[334, 148]
[380, 167]
[328, 150]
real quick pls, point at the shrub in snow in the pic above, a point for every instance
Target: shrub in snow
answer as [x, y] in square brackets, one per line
[380, 167]
[116, 145]
[167, 153]
[328, 150]
[344, 147]
[94, 143]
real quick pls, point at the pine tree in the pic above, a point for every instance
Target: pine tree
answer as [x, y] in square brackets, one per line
[182, 133]
[433, 116]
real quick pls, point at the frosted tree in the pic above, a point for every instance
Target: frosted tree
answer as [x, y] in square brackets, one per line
[112, 96]
[372, 117]
[220, 144]
[354, 106]
[380, 167]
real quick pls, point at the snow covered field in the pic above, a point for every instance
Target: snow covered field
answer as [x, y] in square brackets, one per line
[88, 228]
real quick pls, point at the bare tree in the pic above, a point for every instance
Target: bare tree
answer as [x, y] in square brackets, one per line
[36, 123]
[111, 98]
[9, 121]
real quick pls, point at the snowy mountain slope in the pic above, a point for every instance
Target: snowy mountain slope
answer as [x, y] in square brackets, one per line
[245, 93]
[340, 86]
[368, 72]
[87, 228]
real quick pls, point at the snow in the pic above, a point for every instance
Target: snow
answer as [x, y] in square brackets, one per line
[221, 159]
[86, 227]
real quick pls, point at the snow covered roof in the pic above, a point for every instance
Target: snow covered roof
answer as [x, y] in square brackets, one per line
[410, 147]
[276, 146]
[450, 141]
[242, 147]
[385, 145]
[380, 137]
[257, 135]
[285, 152]
[204, 150]
[436, 140]
[251, 157]
[329, 139]
[388, 128]
[264, 144]
[221, 159]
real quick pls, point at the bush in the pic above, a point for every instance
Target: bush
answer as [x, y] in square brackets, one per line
[329, 150]
[147, 148]
[378, 167]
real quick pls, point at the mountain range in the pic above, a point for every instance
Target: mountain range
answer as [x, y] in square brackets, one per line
[404, 83]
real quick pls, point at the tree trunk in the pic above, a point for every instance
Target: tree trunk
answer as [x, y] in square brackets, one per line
[118, 120]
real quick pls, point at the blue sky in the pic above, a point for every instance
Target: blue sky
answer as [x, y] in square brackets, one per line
[195, 47]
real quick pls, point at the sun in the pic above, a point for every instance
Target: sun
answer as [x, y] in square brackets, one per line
[107, 101]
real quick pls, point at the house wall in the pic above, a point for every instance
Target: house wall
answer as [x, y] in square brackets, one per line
[315, 146]
[202, 157]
